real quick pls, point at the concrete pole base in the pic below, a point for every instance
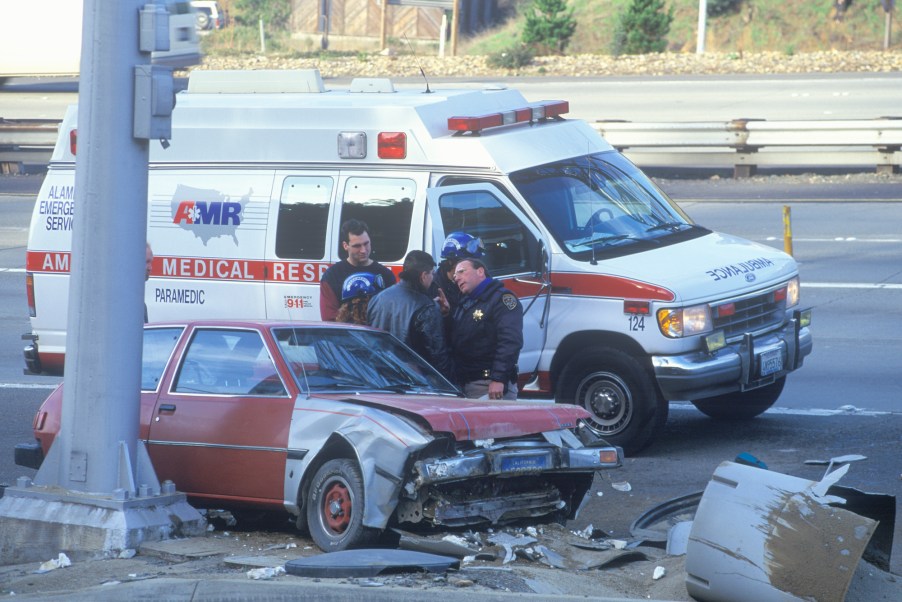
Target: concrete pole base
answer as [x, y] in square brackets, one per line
[37, 523]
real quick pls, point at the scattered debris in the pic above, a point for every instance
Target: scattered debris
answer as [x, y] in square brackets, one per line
[622, 486]
[60, 562]
[660, 571]
[127, 553]
[266, 573]
[449, 545]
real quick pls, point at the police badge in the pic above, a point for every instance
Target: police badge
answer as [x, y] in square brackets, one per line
[477, 315]
[509, 300]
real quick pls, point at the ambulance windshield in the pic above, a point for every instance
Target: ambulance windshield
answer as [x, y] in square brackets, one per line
[602, 205]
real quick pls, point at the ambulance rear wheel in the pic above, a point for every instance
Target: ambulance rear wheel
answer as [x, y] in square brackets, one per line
[741, 405]
[620, 395]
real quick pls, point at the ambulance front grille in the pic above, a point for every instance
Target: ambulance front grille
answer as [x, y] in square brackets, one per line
[752, 314]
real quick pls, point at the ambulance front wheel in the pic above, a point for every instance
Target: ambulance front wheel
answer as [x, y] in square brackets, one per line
[618, 392]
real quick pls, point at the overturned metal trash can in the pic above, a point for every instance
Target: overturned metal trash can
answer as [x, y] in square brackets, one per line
[760, 535]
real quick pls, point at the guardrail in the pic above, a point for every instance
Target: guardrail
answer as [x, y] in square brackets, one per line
[743, 144]
[746, 144]
[26, 141]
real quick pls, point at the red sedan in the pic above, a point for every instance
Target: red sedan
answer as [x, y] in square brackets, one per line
[346, 429]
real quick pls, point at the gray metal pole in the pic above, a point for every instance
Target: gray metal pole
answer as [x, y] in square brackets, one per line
[702, 20]
[106, 286]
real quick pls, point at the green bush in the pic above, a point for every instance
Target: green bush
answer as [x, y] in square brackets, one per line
[275, 13]
[514, 57]
[549, 26]
[643, 28]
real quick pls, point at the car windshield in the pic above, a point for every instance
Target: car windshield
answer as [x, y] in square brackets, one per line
[602, 205]
[350, 360]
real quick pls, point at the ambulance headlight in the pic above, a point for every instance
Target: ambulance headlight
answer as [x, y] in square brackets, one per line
[792, 292]
[676, 322]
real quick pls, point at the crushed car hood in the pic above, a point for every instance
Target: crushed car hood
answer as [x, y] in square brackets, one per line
[471, 419]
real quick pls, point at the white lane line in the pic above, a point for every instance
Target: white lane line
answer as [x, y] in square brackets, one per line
[859, 285]
[806, 412]
[26, 386]
[838, 239]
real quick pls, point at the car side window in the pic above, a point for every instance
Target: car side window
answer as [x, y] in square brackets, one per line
[386, 205]
[158, 346]
[228, 362]
[303, 217]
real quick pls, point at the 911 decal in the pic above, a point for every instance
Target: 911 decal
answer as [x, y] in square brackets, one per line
[636, 322]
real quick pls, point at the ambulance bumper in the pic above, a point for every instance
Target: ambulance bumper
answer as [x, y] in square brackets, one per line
[740, 366]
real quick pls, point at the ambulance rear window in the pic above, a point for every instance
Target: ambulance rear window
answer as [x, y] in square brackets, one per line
[303, 217]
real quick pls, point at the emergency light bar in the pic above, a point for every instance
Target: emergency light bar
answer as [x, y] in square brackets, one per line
[545, 109]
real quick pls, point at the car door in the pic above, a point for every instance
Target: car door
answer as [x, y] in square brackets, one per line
[220, 430]
[515, 251]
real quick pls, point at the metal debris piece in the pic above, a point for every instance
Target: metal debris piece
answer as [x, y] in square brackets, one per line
[585, 533]
[449, 545]
[837, 460]
[660, 571]
[611, 558]
[622, 486]
[369, 563]
[550, 557]
[761, 535]
[506, 538]
[654, 524]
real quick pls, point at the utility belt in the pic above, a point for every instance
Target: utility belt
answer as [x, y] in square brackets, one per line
[471, 375]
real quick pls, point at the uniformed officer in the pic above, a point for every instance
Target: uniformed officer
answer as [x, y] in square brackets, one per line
[457, 246]
[486, 333]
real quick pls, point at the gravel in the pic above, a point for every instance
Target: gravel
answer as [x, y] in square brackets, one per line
[582, 65]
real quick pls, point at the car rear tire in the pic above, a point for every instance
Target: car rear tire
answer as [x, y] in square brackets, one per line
[619, 393]
[335, 507]
[741, 405]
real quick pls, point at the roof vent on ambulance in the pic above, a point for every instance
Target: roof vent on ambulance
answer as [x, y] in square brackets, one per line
[264, 81]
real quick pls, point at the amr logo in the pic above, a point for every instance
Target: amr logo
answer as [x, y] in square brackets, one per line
[218, 213]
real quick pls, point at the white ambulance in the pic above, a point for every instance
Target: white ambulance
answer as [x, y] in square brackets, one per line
[628, 303]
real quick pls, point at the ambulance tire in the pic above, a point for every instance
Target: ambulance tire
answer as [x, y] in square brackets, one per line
[335, 507]
[741, 405]
[619, 393]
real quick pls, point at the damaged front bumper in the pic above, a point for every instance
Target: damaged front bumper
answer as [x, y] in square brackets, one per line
[505, 481]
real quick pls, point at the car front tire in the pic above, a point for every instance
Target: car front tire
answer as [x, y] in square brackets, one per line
[335, 507]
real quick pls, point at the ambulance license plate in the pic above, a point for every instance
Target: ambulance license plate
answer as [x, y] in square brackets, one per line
[770, 362]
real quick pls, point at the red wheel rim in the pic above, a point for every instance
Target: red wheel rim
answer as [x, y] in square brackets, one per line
[337, 506]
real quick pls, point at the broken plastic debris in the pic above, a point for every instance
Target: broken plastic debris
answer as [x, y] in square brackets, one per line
[599, 493]
[622, 486]
[59, 562]
[619, 544]
[266, 572]
[585, 533]
[837, 460]
[531, 531]
[127, 553]
[660, 571]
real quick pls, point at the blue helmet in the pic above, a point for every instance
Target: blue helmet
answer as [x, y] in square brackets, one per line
[361, 284]
[460, 245]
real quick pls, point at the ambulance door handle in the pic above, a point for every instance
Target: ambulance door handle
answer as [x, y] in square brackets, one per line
[166, 407]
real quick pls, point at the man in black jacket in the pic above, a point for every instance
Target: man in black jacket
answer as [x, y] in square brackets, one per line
[407, 311]
[486, 333]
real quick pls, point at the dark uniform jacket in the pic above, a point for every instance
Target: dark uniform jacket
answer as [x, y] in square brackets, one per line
[487, 334]
[414, 318]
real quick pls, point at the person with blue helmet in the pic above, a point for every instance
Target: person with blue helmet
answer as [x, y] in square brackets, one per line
[355, 241]
[457, 246]
[356, 293]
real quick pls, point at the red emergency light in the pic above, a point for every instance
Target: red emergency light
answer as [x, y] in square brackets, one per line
[73, 138]
[546, 109]
[392, 145]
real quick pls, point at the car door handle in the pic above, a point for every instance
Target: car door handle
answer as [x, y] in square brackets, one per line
[166, 407]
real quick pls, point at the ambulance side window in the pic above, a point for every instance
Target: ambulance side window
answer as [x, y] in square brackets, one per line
[304, 217]
[386, 205]
[510, 247]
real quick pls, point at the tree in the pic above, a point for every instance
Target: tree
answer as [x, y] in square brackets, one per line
[549, 26]
[643, 28]
[275, 13]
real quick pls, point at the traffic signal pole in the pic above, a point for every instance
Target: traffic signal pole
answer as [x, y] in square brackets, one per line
[96, 493]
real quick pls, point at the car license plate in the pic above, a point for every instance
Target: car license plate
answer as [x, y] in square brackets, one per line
[770, 362]
[524, 462]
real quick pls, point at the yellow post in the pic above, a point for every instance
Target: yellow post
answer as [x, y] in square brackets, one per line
[383, 28]
[454, 25]
[787, 229]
